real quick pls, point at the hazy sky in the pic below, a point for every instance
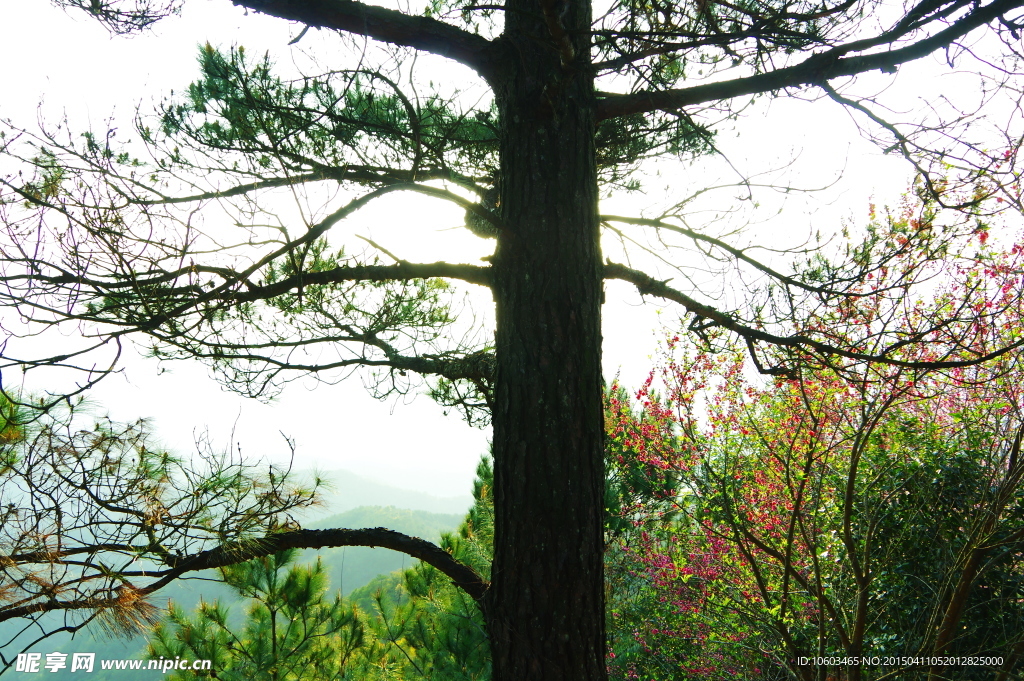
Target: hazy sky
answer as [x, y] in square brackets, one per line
[55, 62]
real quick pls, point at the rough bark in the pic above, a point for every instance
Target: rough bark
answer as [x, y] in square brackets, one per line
[546, 603]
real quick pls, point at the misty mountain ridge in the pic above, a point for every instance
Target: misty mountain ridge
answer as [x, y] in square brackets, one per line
[347, 490]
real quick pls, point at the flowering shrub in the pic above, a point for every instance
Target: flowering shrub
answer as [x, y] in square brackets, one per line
[842, 509]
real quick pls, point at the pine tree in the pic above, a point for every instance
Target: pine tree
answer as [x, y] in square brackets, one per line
[577, 98]
[291, 631]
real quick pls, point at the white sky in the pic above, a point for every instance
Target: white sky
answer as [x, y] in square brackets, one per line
[70, 63]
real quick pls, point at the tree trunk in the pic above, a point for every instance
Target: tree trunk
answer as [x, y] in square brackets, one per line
[545, 608]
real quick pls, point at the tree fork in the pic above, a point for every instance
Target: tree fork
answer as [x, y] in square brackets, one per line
[545, 608]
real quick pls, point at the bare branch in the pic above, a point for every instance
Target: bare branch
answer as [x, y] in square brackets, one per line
[707, 317]
[737, 253]
[361, 175]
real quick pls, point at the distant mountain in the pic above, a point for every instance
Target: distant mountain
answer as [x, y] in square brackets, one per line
[349, 491]
[353, 566]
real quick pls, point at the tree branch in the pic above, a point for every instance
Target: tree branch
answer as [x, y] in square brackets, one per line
[475, 366]
[817, 69]
[737, 253]
[387, 25]
[708, 317]
[461, 575]
[355, 174]
[400, 271]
